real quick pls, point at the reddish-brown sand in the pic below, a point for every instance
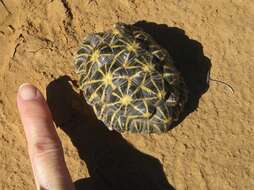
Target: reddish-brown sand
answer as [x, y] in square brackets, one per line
[212, 148]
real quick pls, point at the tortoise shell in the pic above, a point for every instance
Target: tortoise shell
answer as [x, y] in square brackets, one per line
[130, 81]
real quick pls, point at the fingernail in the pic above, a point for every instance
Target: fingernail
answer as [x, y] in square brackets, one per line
[27, 91]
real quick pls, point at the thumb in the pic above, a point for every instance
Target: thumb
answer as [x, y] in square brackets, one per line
[44, 146]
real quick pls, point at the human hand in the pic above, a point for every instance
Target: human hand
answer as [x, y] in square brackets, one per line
[44, 146]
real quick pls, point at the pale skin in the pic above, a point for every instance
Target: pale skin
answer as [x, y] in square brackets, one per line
[44, 146]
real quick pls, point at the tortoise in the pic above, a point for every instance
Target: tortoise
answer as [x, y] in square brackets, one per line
[130, 81]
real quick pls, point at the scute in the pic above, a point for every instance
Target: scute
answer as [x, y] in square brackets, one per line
[130, 81]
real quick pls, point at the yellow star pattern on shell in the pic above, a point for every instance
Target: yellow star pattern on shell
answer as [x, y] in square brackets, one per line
[130, 81]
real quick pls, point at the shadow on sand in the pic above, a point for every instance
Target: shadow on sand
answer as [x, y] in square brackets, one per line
[113, 163]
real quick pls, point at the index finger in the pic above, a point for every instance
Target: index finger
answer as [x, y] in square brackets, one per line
[44, 146]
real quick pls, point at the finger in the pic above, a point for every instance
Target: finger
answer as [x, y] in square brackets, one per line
[44, 145]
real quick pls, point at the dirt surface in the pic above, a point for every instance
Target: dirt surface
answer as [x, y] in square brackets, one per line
[212, 148]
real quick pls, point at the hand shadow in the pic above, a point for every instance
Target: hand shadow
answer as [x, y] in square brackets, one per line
[188, 57]
[112, 162]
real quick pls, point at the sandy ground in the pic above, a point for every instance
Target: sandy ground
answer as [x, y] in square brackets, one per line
[212, 148]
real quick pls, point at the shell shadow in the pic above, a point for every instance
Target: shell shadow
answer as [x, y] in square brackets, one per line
[188, 57]
[112, 162]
